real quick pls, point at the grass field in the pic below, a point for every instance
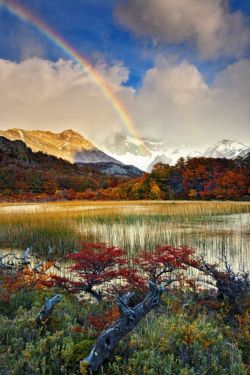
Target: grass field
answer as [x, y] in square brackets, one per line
[214, 228]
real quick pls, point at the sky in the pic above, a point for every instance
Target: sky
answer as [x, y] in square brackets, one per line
[180, 68]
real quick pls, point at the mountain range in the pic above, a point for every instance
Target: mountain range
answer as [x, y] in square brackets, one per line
[27, 175]
[72, 147]
[119, 153]
[228, 149]
[68, 145]
[146, 153]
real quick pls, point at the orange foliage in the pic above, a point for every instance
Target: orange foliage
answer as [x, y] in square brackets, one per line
[25, 278]
[100, 322]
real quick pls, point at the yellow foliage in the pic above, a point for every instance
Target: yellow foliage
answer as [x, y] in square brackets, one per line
[84, 368]
[192, 194]
[155, 191]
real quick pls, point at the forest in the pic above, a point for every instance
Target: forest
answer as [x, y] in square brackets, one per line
[191, 179]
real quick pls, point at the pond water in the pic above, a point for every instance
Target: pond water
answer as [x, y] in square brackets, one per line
[215, 229]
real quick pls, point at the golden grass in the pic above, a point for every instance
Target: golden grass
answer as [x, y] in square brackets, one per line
[208, 226]
[173, 208]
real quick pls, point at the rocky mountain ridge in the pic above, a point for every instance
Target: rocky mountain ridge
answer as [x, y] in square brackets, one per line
[18, 152]
[69, 145]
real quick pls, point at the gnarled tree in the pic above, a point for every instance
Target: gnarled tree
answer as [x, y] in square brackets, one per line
[159, 268]
[231, 286]
[129, 319]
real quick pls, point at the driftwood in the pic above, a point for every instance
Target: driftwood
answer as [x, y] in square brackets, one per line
[129, 319]
[12, 262]
[47, 308]
[25, 258]
[8, 262]
[4, 265]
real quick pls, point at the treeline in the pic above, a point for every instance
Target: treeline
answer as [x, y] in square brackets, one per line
[194, 178]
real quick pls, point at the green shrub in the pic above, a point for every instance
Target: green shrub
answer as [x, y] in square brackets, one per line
[175, 340]
[180, 345]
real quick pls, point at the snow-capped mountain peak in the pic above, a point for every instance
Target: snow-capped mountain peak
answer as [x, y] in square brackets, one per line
[120, 144]
[129, 150]
[225, 149]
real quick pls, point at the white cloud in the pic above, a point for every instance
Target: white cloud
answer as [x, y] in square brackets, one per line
[37, 94]
[207, 24]
[117, 73]
[176, 93]
[174, 103]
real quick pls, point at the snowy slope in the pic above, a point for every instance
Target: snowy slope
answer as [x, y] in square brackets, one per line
[145, 153]
[226, 149]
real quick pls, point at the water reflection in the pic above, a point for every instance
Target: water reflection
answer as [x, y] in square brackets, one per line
[144, 225]
[227, 236]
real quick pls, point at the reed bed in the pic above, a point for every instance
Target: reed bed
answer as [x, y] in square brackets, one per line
[214, 228]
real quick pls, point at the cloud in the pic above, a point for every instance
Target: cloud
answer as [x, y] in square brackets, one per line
[117, 73]
[176, 93]
[174, 102]
[37, 93]
[208, 25]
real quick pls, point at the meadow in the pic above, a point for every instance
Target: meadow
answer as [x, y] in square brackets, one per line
[213, 228]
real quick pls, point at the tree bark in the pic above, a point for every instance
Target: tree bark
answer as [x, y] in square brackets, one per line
[93, 293]
[47, 308]
[129, 319]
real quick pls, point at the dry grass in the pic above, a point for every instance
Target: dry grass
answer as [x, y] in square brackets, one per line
[212, 227]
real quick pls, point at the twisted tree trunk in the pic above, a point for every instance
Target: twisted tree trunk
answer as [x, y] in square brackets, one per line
[47, 308]
[129, 319]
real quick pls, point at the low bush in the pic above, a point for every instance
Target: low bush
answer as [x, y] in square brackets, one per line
[190, 341]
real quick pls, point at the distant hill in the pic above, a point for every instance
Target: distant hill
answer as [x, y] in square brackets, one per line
[119, 149]
[25, 173]
[68, 145]
[32, 176]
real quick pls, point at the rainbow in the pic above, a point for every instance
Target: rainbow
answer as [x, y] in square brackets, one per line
[26, 15]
